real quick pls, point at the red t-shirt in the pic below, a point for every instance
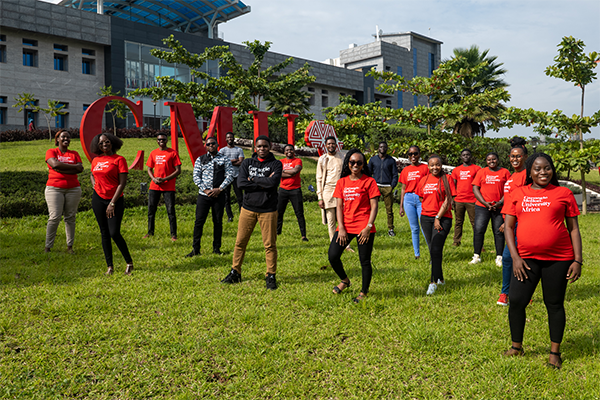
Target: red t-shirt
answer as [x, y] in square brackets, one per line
[432, 199]
[411, 175]
[106, 170]
[491, 183]
[164, 163]
[516, 180]
[294, 181]
[541, 214]
[463, 176]
[356, 197]
[58, 179]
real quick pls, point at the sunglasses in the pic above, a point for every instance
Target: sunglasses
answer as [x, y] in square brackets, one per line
[211, 144]
[413, 154]
[161, 140]
[352, 162]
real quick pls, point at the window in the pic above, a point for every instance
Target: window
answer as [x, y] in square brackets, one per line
[30, 58]
[85, 107]
[60, 47]
[61, 121]
[2, 38]
[2, 53]
[388, 68]
[60, 62]
[311, 99]
[2, 115]
[324, 101]
[325, 92]
[87, 66]
[30, 42]
[388, 103]
[2, 99]
[400, 97]
[431, 63]
[88, 52]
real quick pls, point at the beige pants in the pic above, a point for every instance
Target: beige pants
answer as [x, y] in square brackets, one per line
[331, 221]
[61, 202]
[268, 230]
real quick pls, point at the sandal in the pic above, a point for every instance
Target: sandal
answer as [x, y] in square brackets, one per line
[555, 366]
[519, 352]
[338, 290]
[129, 269]
[359, 298]
[110, 271]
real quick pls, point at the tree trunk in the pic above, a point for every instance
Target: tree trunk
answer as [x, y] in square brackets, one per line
[114, 124]
[584, 196]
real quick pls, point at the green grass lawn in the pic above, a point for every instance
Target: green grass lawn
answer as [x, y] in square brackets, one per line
[171, 330]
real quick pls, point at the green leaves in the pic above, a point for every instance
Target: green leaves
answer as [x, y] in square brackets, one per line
[572, 64]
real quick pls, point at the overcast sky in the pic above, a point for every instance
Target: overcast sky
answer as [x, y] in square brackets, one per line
[523, 34]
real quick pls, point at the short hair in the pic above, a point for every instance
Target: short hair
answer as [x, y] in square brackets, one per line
[492, 153]
[465, 149]
[161, 134]
[262, 137]
[229, 133]
[529, 164]
[328, 138]
[416, 147]
[288, 145]
[211, 137]
[58, 134]
[382, 142]
[114, 141]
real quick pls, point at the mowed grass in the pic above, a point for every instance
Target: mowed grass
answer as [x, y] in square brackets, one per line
[171, 330]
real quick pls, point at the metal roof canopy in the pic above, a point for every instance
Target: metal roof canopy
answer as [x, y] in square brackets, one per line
[189, 16]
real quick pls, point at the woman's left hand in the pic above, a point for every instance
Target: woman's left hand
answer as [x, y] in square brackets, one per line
[437, 225]
[363, 236]
[501, 229]
[110, 211]
[574, 272]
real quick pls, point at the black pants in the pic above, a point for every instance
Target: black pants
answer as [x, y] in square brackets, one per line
[110, 228]
[554, 284]
[295, 197]
[153, 199]
[239, 195]
[364, 254]
[435, 242]
[203, 205]
[482, 219]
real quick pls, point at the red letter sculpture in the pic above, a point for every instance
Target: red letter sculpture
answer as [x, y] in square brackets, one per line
[315, 135]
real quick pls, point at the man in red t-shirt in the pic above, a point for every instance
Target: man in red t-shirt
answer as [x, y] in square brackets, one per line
[289, 190]
[465, 199]
[164, 166]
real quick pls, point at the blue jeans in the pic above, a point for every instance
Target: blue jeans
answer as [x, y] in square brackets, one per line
[412, 209]
[507, 267]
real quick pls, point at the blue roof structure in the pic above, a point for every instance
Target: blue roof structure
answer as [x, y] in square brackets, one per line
[190, 16]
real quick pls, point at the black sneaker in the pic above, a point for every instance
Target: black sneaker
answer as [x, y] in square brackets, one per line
[230, 219]
[391, 233]
[232, 277]
[192, 253]
[304, 239]
[217, 252]
[271, 282]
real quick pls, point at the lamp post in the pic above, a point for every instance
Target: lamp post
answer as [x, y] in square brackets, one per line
[154, 120]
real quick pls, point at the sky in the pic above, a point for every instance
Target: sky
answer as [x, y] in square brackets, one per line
[523, 35]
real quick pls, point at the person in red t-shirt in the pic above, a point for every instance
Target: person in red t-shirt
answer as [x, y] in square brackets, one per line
[63, 191]
[164, 166]
[435, 190]
[463, 176]
[488, 188]
[518, 154]
[289, 190]
[409, 201]
[109, 177]
[555, 256]
[357, 195]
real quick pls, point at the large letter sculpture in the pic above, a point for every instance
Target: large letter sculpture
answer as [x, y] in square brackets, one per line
[91, 124]
[317, 132]
[290, 127]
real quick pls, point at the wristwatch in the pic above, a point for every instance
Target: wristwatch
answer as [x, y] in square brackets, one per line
[370, 225]
[437, 217]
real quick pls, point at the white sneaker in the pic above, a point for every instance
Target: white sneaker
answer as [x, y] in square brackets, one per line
[441, 282]
[498, 261]
[476, 259]
[431, 289]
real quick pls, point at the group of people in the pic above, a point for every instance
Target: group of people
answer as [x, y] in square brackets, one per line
[348, 190]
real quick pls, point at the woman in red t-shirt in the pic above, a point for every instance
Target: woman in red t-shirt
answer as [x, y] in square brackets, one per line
[63, 191]
[435, 191]
[357, 195]
[488, 188]
[409, 201]
[109, 176]
[546, 250]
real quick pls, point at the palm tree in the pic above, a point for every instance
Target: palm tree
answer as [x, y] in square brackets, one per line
[488, 78]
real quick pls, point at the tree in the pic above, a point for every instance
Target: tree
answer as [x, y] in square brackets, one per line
[27, 101]
[117, 109]
[487, 78]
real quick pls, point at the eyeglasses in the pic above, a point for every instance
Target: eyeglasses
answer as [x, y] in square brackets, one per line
[413, 154]
[352, 162]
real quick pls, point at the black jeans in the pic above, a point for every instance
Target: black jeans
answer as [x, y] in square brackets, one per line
[435, 242]
[553, 275]
[153, 199]
[482, 219]
[110, 227]
[294, 196]
[364, 255]
[203, 205]
[239, 196]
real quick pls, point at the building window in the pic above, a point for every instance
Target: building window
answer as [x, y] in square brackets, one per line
[88, 52]
[388, 103]
[400, 97]
[60, 62]
[62, 120]
[311, 99]
[324, 101]
[87, 66]
[30, 58]
[431, 63]
[85, 107]
[325, 92]
[2, 38]
[2, 115]
[388, 68]
[2, 99]
[60, 47]
[30, 42]
[2, 53]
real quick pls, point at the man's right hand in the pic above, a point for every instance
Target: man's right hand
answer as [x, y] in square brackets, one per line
[322, 204]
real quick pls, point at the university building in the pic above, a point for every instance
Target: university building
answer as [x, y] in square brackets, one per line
[69, 51]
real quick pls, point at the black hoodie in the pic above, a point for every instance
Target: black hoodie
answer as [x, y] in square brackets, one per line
[260, 192]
